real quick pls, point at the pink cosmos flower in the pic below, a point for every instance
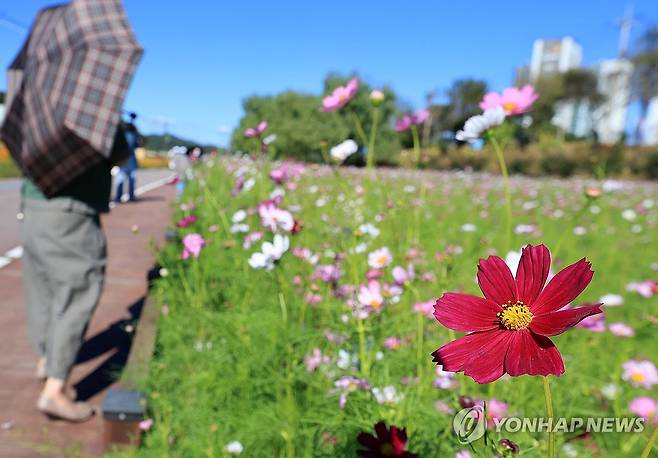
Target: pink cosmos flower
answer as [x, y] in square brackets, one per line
[646, 288]
[513, 100]
[392, 343]
[340, 96]
[251, 238]
[496, 410]
[402, 276]
[645, 407]
[327, 273]
[192, 245]
[444, 380]
[315, 359]
[640, 373]
[408, 120]
[426, 308]
[370, 296]
[146, 425]
[380, 258]
[621, 329]
[593, 323]
[256, 131]
[347, 384]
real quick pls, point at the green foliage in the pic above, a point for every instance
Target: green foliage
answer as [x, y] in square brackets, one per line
[302, 130]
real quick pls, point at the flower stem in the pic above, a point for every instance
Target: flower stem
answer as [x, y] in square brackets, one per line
[508, 193]
[359, 128]
[549, 414]
[649, 446]
[414, 135]
[371, 144]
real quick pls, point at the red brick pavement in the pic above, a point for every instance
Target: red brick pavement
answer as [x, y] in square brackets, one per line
[31, 434]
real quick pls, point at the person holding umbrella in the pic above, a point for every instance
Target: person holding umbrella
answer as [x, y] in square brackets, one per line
[62, 127]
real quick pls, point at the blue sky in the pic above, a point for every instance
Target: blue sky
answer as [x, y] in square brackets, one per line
[204, 56]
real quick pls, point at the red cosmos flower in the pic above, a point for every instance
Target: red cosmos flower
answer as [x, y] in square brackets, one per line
[388, 442]
[509, 328]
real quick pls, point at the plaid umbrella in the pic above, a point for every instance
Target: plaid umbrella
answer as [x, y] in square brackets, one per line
[66, 88]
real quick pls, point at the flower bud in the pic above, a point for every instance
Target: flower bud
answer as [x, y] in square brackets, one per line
[508, 446]
[377, 97]
[466, 402]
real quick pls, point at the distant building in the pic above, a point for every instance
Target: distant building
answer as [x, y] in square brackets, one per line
[650, 125]
[574, 117]
[614, 84]
[2, 112]
[554, 56]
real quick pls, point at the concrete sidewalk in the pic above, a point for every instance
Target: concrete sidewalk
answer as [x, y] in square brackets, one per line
[23, 431]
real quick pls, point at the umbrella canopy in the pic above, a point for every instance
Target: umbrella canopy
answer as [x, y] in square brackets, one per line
[66, 88]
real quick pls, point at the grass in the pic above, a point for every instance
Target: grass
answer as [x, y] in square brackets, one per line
[232, 341]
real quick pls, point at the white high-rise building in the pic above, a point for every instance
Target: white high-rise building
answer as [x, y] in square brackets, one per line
[650, 124]
[554, 56]
[614, 84]
[2, 113]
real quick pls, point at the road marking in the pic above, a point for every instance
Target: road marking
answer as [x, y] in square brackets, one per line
[17, 252]
[149, 187]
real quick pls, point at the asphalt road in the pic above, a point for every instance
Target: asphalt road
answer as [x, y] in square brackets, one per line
[10, 203]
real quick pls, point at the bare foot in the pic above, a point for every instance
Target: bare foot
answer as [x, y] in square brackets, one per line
[59, 406]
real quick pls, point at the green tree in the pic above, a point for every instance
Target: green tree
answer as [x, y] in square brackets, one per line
[464, 97]
[302, 130]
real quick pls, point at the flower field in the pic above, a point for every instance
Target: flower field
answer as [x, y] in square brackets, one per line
[298, 312]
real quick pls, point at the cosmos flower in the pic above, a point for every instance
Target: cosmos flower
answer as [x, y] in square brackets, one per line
[645, 407]
[376, 96]
[340, 96]
[509, 328]
[234, 448]
[380, 258]
[370, 296]
[513, 100]
[270, 254]
[408, 120]
[256, 131]
[621, 330]
[343, 150]
[479, 124]
[192, 245]
[385, 443]
[186, 221]
[402, 276]
[611, 300]
[640, 373]
[274, 218]
[387, 395]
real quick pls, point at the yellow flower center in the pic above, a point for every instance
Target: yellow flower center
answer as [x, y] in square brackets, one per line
[509, 107]
[382, 259]
[386, 449]
[638, 377]
[515, 316]
[375, 304]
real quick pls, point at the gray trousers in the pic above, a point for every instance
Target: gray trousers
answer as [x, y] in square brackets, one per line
[64, 258]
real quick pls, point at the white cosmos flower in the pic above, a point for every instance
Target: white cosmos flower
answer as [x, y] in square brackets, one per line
[234, 448]
[612, 300]
[387, 395]
[477, 125]
[239, 228]
[239, 216]
[270, 253]
[274, 217]
[343, 150]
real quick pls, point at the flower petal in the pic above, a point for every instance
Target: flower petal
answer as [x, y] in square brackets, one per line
[496, 281]
[488, 363]
[554, 323]
[486, 348]
[532, 272]
[532, 354]
[466, 313]
[563, 288]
